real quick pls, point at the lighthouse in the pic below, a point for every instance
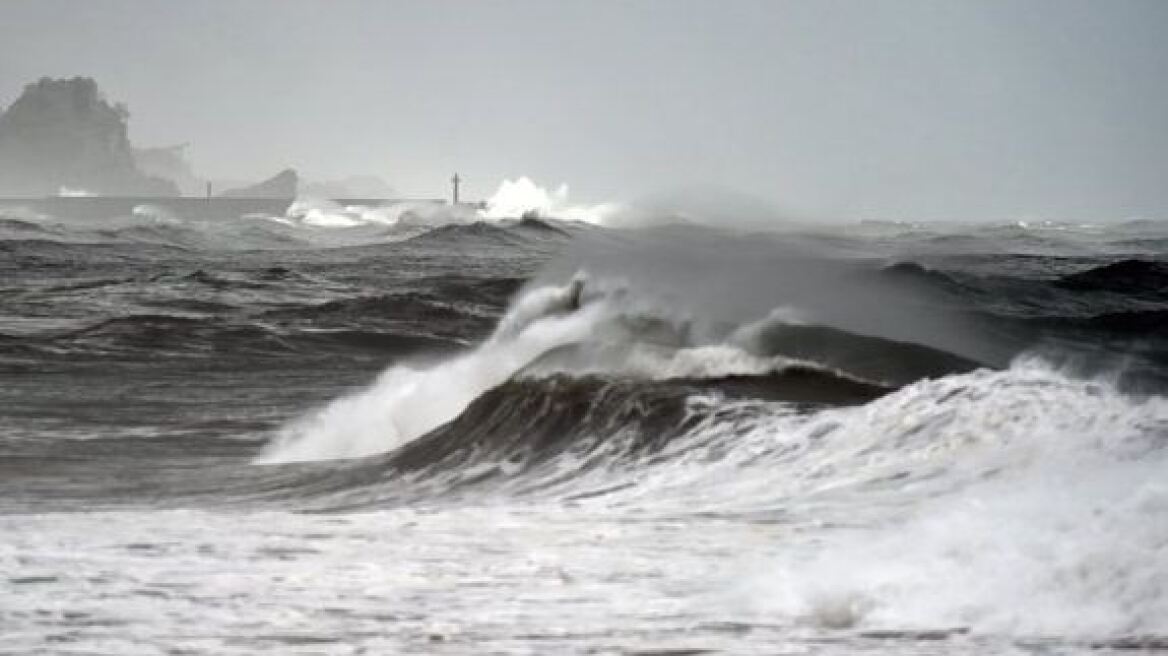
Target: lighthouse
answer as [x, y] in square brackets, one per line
[455, 181]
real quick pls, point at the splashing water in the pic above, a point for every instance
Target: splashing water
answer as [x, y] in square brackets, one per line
[514, 198]
[319, 213]
[1034, 505]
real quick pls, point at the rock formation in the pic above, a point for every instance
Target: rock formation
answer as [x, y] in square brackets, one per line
[283, 185]
[64, 134]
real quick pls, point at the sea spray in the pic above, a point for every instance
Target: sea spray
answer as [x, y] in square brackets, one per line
[588, 326]
[1021, 503]
[407, 400]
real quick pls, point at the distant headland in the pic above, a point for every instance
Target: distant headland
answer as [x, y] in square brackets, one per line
[63, 138]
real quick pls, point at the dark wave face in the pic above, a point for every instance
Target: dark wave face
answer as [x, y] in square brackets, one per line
[882, 436]
[1127, 277]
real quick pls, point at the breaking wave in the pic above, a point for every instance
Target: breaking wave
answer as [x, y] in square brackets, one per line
[593, 327]
[1022, 502]
[522, 196]
[905, 482]
[1033, 505]
[923, 491]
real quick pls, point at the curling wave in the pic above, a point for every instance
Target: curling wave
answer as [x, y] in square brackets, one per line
[592, 327]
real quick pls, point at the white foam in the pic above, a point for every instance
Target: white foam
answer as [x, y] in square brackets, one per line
[1030, 504]
[1022, 502]
[156, 214]
[514, 198]
[326, 214]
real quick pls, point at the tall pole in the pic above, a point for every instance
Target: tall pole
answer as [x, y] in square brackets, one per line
[454, 181]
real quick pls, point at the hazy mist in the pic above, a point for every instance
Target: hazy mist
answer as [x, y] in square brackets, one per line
[897, 109]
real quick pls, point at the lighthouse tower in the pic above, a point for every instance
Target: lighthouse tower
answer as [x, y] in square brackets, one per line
[455, 181]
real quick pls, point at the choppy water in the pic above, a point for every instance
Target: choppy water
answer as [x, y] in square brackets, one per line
[398, 430]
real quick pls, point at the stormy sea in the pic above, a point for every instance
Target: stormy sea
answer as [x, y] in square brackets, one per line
[231, 427]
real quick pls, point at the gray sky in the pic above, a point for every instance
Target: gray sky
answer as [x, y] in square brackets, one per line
[896, 109]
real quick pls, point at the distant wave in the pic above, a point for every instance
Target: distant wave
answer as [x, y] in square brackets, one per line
[884, 361]
[21, 226]
[478, 232]
[524, 233]
[264, 278]
[158, 334]
[914, 271]
[426, 313]
[149, 336]
[1145, 322]
[1124, 276]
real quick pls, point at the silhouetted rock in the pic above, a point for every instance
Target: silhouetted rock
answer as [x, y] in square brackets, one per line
[63, 134]
[283, 185]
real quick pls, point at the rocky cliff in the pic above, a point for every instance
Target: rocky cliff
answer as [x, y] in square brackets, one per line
[64, 134]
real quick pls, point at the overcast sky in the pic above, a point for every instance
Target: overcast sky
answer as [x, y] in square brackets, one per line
[897, 109]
